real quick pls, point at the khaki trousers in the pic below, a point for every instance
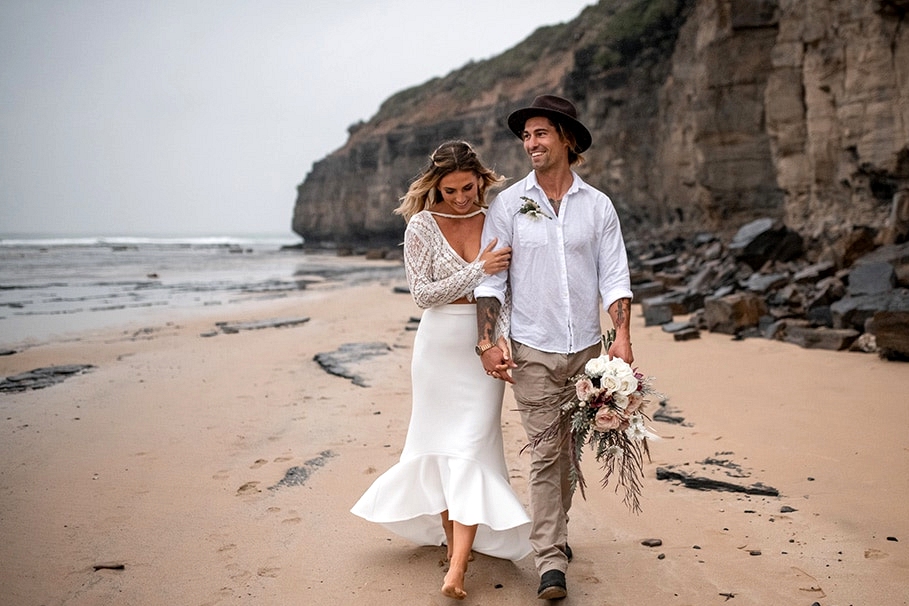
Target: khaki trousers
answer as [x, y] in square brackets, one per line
[541, 386]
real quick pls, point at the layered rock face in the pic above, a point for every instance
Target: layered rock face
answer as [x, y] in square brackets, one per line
[705, 114]
[837, 110]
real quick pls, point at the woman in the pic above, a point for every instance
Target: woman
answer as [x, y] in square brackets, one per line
[451, 483]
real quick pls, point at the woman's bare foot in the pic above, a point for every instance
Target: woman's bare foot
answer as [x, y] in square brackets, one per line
[453, 585]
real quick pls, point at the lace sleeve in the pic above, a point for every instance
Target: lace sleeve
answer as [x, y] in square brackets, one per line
[432, 280]
[503, 322]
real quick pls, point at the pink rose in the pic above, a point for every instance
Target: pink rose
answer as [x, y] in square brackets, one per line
[585, 389]
[607, 419]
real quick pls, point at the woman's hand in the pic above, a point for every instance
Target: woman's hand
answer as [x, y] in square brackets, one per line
[495, 261]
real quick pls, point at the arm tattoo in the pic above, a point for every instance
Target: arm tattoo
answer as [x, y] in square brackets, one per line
[487, 313]
[622, 313]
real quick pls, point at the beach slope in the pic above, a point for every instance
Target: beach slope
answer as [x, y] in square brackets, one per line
[220, 469]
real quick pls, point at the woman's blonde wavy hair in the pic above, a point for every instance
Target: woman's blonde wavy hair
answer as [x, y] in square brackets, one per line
[449, 157]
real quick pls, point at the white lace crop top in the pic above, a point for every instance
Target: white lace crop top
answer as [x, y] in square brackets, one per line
[437, 275]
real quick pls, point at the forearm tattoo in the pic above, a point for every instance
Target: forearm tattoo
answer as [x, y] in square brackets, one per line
[487, 312]
[621, 312]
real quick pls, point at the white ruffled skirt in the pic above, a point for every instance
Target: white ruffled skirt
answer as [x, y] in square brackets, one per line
[453, 456]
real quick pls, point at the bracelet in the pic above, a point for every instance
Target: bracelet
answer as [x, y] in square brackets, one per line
[481, 349]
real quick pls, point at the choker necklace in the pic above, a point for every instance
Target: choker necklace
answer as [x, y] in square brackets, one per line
[447, 216]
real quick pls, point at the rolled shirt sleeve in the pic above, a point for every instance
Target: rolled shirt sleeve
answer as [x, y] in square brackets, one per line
[615, 279]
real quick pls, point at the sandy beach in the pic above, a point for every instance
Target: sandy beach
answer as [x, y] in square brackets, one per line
[199, 470]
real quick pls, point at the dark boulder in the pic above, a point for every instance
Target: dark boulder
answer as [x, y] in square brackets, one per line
[891, 333]
[871, 278]
[854, 312]
[765, 240]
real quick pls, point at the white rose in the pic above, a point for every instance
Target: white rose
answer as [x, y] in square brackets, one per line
[609, 384]
[623, 376]
[627, 385]
[597, 366]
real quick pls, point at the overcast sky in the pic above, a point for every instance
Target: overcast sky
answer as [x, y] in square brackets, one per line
[200, 117]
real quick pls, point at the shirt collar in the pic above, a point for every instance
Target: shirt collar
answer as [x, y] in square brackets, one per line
[531, 183]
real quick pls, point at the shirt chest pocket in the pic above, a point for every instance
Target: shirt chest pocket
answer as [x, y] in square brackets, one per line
[532, 232]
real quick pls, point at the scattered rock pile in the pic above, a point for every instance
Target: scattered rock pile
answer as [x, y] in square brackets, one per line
[768, 282]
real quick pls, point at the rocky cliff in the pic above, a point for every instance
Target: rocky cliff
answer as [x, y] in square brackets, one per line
[705, 114]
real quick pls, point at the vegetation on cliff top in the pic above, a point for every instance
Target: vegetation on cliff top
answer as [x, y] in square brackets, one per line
[637, 26]
[608, 34]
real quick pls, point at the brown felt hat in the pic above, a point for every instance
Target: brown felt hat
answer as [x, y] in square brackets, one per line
[556, 109]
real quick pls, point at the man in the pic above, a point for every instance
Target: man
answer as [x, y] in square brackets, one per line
[568, 257]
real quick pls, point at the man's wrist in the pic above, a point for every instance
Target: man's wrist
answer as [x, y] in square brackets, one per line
[483, 346]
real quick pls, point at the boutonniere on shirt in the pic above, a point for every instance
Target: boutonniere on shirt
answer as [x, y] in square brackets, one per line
[532, 209]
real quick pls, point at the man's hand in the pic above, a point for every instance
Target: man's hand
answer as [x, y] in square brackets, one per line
[621, 348]
[497, 361]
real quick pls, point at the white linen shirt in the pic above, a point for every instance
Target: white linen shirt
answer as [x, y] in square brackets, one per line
[562, 266]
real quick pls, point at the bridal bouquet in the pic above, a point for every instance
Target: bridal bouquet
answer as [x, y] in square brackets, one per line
[608, 414]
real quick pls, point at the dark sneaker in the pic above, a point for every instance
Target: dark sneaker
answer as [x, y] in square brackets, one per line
[552, 585]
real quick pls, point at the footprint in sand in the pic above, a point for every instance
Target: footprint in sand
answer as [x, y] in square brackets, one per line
[240, 576]
[248, 488]
[875, 554]
[268, 572]
[258, 463]
[592, 580]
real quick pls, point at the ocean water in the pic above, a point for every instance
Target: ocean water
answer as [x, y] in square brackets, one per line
[52, 288]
